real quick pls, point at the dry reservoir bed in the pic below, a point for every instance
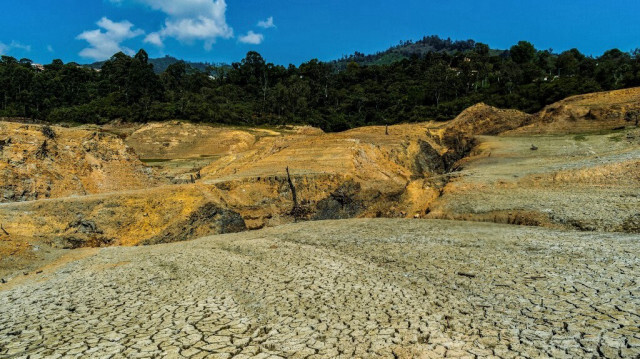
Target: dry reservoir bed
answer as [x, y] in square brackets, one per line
[356, 288]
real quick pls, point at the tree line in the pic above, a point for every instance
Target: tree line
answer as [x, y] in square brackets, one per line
[434, 85]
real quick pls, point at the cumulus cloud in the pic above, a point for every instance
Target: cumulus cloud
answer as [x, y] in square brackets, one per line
[267, 24]
[103, 44]
[154, 38]
[5, 49]
[251, 38]
[189, 20]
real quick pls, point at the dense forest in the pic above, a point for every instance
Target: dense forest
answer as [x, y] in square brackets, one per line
[408, 49]
[418, 85]
[161, 64]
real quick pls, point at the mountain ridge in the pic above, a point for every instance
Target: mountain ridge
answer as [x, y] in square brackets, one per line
[404, 50]
[160, 64]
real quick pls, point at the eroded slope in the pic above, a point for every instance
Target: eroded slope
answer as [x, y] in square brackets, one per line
[587, 113]
[585, 182]
[40, 162]
[508, 173]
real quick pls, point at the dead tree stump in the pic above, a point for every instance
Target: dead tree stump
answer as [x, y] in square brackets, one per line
[296, 211]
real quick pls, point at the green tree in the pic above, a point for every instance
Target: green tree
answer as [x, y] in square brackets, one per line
[523, 52]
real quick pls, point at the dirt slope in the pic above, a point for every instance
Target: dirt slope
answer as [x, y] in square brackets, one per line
[122, 218]
[362, 172]
[178, 150]
[413, 170]
[583, 182]
[482, 119]
[171, 140]
[587, 113]
[359, 173]
[38, 162]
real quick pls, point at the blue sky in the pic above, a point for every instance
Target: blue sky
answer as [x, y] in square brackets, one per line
[294, 31]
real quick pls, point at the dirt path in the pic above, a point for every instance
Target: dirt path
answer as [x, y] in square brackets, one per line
[355, 288]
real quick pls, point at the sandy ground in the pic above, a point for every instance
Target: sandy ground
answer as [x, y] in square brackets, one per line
[356, 288]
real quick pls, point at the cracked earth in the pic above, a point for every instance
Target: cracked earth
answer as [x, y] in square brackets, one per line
[357, 288]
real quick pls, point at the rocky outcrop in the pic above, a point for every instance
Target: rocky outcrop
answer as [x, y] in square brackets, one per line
[343, 203]
[209, 219]
[42, 162]
[82, 233]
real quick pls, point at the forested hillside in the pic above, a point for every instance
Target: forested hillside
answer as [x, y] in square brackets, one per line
[435, 80]
[408, 49]
[161, 64]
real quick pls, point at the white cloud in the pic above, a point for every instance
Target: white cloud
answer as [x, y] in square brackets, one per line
[251, 38]
[154, 39]
[267, 24]
[50, 48]
[17, 45]
[189, 20]
[104, 44]
[5, 49]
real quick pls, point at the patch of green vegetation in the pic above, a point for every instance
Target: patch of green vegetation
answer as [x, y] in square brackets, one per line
[154, 160]
[580, 138]
[616, 138]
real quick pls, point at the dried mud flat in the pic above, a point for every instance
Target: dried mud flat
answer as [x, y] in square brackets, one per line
[355, 288]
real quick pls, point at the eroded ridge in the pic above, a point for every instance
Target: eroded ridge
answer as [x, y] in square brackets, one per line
[356, 288]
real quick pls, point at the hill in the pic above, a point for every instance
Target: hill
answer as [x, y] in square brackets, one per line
[407, 49]
[586, 113]
[162, 63]
[444, 78]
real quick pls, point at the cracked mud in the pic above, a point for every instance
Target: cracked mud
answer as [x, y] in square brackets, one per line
[356, 288]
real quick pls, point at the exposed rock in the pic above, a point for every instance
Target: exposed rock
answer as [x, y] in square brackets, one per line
[48, 132]
[428, 160]
[4, 143]
[84, 226]
[82, 233]
[42, 162]
[81, 241]
[341, 204]
[206, 220]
